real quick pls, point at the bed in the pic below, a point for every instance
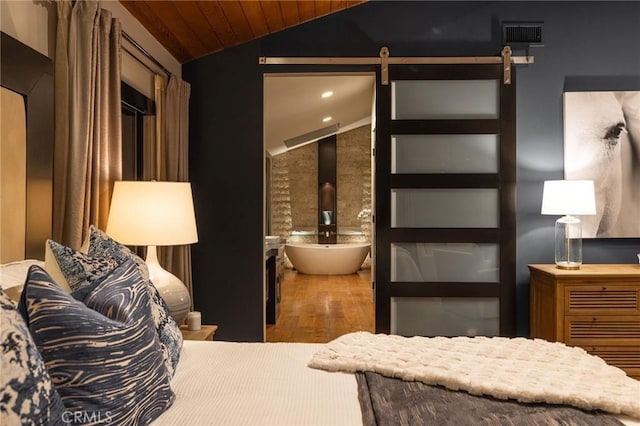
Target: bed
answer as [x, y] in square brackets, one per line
[362, 378]
[272, 384]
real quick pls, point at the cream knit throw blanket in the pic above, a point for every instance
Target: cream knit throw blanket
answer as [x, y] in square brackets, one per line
[522, 369]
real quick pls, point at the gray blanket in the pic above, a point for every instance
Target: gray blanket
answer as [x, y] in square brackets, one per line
[385, 401]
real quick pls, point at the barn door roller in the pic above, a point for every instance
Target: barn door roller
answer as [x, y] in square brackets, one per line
[384, 60]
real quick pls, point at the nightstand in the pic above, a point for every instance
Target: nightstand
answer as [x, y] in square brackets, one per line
[206, 332]
[596, 307]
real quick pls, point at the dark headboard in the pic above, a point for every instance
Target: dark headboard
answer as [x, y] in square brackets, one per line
[30, 73]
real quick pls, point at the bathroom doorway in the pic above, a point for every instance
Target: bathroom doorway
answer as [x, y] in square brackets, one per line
[302, 112]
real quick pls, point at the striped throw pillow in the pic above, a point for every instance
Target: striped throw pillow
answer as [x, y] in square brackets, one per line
[102, 246]
[103, 355]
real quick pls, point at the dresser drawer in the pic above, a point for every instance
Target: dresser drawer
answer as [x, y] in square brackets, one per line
[606, 330]
[625, 357]
[602, 299]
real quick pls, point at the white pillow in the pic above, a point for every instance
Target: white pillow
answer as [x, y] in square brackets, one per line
[13, 276]
[15, 273]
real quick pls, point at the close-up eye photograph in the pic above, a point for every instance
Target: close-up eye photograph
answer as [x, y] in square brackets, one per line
[613, 132]
[602, 143]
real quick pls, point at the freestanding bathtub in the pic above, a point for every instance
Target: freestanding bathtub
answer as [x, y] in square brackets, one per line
[327, 259]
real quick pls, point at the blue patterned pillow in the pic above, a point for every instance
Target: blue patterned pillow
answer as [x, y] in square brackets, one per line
[81, 272]
[84, 272]
[101, 246]
[104, 355]
[27, 394]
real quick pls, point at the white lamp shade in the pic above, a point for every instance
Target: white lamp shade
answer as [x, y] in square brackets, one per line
[147, 213]
[568, 197]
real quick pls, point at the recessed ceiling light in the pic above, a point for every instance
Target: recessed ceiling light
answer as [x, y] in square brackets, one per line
[324, 120]
[327, 94]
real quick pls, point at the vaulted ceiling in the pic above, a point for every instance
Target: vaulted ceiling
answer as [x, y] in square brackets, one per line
[293, 106]
[193, 29]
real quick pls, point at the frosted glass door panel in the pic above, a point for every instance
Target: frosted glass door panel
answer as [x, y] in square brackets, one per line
[451, 316]
[444, 99]
[444, 208]
[445, 262]
[444, 154]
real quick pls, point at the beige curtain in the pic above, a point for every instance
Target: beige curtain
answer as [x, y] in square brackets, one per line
[88, 146]
[160, 86]
[61, 114]
[168, 158]
[176, 155]
[154, 132]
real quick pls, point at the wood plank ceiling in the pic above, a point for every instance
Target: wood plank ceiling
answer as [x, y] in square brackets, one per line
[193, 29]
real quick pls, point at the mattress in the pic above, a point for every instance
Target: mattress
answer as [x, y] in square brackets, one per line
[227, 383]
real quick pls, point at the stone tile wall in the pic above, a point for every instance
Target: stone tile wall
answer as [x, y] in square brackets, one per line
[294, 191]
[294, 194]
[280, 196]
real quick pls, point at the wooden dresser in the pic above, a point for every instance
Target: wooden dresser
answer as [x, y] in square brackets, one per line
[596, 307]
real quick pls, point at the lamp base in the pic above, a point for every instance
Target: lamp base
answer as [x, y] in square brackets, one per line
[568, 265]
[171, 289]
[568, 252]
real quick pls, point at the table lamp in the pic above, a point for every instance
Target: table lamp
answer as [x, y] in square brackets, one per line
[150, 213]
[568, 197]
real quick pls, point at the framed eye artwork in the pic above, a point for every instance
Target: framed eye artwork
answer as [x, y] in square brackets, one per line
[602, 143]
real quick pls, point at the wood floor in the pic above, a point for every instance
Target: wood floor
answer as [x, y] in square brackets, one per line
[319, 308]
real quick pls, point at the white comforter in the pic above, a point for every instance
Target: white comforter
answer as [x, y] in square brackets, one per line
[522, 369]
[224, 383]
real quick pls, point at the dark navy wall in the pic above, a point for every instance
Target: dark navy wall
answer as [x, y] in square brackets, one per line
[588, 46]
[226, 161]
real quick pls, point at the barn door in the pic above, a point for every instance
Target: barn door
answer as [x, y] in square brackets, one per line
[445, 201]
